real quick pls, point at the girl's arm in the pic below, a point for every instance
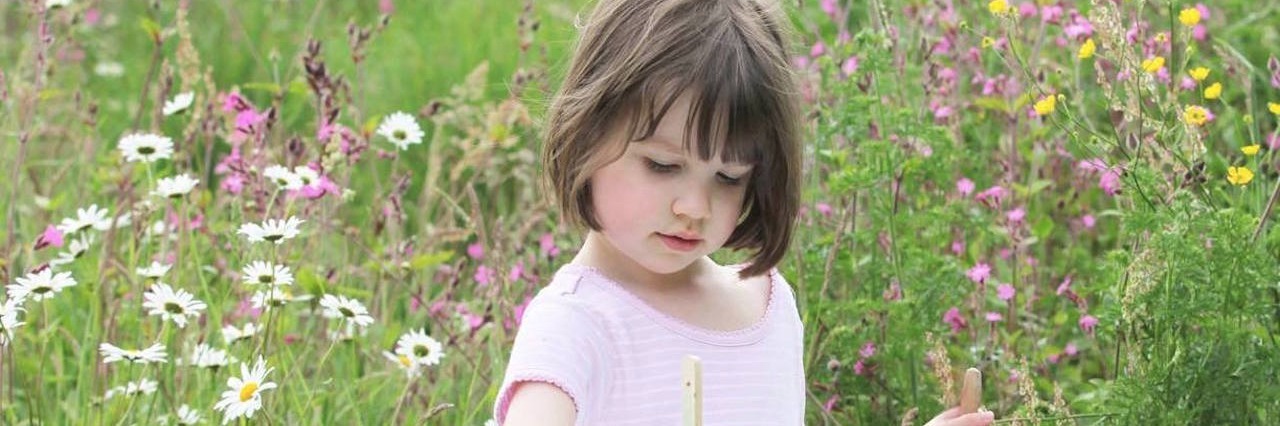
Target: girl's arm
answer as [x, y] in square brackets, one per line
[539, 403]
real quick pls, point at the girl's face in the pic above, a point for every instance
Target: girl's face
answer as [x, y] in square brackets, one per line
[663, 207]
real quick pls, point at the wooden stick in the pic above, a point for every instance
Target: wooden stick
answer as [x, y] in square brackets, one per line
[971, 393]
[691, 373]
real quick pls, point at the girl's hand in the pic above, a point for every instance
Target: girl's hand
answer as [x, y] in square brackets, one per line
[953, 417]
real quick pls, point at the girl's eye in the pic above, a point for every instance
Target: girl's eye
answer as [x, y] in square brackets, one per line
[731, 181]
[661, 168]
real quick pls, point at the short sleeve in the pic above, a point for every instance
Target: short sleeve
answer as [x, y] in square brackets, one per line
[561, 343]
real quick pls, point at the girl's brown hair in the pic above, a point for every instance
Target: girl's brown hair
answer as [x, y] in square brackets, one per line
[636, 57]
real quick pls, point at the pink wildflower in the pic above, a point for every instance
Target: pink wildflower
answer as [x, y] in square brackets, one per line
[994, 317]
[1088, 221]
[548, 244]
[51, 237]
[979, 273]
[823, 208]
[992, 196]
[1016, 216]
[475, 251]
[1110, 181]
[1065, 286]
[893, 293]
[1088, 323]
[954, 318]
[868, 350]
[850, 66]
[484, 275]
[1005, 292]
[818, 49]
[831, 403]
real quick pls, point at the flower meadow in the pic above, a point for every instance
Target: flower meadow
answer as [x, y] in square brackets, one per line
[217, 213]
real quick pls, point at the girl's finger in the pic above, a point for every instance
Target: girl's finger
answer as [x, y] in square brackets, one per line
[973, 419]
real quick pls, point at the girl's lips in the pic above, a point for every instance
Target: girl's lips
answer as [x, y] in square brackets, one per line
[679, 244]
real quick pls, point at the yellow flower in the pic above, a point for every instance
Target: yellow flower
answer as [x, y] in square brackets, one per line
[1196, 115]
[1162, 37]
[1153, 65]
[1273, 107]
[1199, 73]
[1250, 150]
[1239, 176]
[1213, 91]
[1046, 105]
[998, 7]
[1189, 16]
[987, 42]
[1086, 50]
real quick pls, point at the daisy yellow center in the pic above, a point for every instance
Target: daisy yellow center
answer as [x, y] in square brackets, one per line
[346, 312]
[248, 390]
[266, 278]
[404, 360]
[146, 150]
[421, 351]
[173, 308]
[399, 134]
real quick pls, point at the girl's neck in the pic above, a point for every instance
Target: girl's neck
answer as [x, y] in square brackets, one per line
[597, 252]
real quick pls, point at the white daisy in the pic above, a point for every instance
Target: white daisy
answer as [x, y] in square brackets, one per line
[272, 230]
[155, 271]
[175, 187]
[56, 3]
[171, 304]
[245, 396]
[421, 348]
[282, 177]
[186, 416]
[141, 387]
[205, 356]
[146, 147]
[76, 249]
[108, 69]
[92, 217]
[266, 273]
[306, 175]
[40, 285]
[349, 309]
[9, 319]
[406, 364]
[401, 129]
[160, 229]
[112, 353]
[276, 297]
[348, 332]
[179, 102]
[231, 334]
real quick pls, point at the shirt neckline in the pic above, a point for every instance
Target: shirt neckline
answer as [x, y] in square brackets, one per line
[743, 336]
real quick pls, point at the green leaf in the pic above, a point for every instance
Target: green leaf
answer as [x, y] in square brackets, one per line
[430, 259]
[992, 103]
[150, 27]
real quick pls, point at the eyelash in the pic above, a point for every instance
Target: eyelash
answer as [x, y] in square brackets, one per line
[657, 167]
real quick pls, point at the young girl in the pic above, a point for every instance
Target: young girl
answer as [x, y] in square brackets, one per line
[677, 131]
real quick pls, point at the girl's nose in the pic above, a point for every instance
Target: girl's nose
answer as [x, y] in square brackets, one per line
[694, 202]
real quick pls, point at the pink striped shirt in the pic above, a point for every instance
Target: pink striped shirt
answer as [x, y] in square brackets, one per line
[619, 359]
